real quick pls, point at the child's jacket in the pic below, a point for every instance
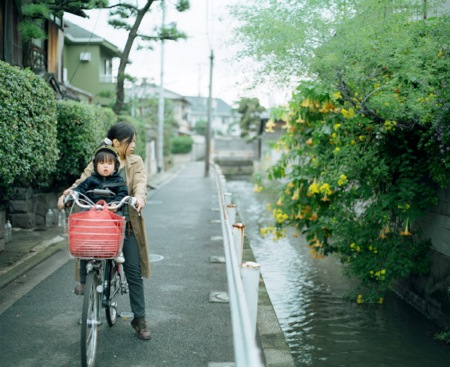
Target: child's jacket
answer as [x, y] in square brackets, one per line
[115, 183]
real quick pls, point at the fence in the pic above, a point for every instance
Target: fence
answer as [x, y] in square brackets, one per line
[243, 282]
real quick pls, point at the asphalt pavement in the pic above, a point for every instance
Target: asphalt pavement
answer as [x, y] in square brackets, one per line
[191, 327]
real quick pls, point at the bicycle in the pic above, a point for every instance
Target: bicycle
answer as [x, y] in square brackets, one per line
[98, 241]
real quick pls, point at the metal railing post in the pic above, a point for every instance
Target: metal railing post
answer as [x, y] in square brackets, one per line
[231, 212]
[238, 239]
[250, 272]
[228, 198]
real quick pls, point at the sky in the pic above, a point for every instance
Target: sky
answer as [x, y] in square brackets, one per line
[187, 62]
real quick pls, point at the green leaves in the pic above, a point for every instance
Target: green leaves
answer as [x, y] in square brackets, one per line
[28, 123]
[353, 188]
[81, 128]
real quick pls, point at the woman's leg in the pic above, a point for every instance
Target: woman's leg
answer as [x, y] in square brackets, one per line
[132, 269]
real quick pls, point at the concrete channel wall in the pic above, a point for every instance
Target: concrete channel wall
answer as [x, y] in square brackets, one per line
[430, 293]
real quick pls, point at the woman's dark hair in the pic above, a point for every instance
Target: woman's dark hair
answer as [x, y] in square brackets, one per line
[121, 131]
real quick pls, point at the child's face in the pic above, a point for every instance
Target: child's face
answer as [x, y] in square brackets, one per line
[105, 168]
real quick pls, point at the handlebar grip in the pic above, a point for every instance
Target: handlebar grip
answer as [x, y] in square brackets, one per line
[73, 196]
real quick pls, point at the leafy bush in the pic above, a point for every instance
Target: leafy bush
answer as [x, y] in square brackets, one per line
[354, 187]
[81, 128]
[28, 133]
[181, 144]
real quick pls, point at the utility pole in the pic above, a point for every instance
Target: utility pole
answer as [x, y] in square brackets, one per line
[160, 150]
[208, 125]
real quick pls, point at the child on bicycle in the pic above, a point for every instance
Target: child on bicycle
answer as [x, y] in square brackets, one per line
[105, 176]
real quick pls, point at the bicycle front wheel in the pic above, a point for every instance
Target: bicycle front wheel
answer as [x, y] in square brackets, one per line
[90, 320]
[112, 293]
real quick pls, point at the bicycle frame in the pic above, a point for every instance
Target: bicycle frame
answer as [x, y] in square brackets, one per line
[104, 281]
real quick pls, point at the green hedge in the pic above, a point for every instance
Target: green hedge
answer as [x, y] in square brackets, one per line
[181, 144]
[28, 123]
[81, 128]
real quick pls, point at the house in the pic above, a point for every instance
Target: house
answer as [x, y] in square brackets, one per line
[137, 94]
[44, 56]
[88, 63]
[224, 119]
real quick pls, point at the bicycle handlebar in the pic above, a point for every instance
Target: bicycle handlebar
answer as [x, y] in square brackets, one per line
[75, 196]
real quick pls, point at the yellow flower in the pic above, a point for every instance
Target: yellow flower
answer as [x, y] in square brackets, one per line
[295, 234]
[263, 232]
[325, 188]
[327, 107]
[296, 195]
[257, 188]
[307, 103]
[269, 126]
[313, 188]
[280, 202]
[268, 207]
[314, 217]
[383, 271]
[359, 300]
[337, 95]
[380, 301]
[406, 232]
[348, 114]
[336, 126]
[309, 142]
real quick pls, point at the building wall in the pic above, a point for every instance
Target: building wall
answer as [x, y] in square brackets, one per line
[86, 75]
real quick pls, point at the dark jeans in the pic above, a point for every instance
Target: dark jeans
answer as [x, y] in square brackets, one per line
[132, 269]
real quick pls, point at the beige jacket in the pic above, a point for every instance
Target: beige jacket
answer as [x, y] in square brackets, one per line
[137, 187]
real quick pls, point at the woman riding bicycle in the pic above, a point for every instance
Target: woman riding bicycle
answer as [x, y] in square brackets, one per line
[135, 248]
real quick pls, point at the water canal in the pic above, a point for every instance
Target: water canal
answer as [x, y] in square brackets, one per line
[321, 328]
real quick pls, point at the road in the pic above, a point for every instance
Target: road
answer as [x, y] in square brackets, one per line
[39, 313]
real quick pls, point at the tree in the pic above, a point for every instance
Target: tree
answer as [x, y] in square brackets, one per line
[128, 16]
[367, 140]
[200, 127]
[250, 111]
[34, 15]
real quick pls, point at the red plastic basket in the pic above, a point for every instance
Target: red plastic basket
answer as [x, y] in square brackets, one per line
[95, 238]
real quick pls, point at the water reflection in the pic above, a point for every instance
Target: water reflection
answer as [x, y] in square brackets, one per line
[321, 328]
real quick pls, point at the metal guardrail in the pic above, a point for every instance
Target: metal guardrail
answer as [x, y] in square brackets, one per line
[241, 293]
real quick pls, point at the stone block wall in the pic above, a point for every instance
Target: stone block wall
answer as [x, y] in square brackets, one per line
[2, 229]
[27, 209]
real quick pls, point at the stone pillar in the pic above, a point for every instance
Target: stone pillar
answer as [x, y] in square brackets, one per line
[22, 208]
[2, 229]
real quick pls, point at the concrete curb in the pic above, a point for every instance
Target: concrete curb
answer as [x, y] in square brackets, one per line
[38, 254]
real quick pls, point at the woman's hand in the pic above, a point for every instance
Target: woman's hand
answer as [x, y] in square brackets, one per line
[139, 204]
[61, 198]
[61, 202]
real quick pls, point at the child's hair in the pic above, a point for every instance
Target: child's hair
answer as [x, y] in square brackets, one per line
[106, 154]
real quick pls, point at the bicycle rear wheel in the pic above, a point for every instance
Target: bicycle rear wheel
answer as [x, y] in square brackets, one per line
[90, 320]
[112, 293]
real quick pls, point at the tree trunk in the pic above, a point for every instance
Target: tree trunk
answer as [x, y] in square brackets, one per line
[124, 57]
